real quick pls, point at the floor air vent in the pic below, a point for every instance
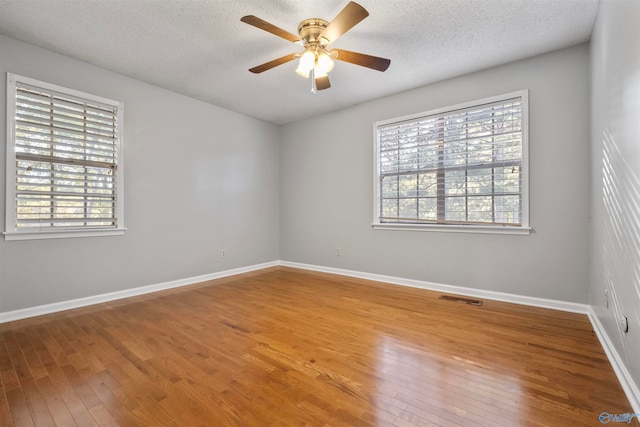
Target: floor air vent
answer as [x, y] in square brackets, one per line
[461, 299]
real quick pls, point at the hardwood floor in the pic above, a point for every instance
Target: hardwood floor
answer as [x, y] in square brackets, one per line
[287, 347]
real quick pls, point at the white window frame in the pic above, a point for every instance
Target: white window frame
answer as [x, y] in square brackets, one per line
[11, 232]
[523, 229]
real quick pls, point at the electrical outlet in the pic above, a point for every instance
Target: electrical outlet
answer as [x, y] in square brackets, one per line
[624, 324]
[223, 253]
[606, 298]
[338, 252]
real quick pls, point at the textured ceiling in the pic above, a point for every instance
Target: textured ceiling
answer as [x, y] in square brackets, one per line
[201, 49]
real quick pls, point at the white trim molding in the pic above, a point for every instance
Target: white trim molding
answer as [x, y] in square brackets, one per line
[489, 229]
[112, 296]
[571, 307]
[629, 386]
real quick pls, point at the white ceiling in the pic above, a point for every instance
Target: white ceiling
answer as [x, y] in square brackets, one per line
[201, 49]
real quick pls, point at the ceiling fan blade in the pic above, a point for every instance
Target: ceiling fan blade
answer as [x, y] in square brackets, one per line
[374, 62]
[270, 28]
[269, 65]
[322, 83]
[346, 19]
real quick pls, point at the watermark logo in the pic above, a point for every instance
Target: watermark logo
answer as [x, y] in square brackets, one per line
[606, 418]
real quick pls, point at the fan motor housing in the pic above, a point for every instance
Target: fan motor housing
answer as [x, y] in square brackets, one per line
[310, 30]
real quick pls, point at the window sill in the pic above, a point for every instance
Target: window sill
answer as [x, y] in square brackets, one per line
[482, 229]
[61, 234]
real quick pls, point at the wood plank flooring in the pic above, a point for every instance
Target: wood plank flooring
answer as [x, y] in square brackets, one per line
[285, 347]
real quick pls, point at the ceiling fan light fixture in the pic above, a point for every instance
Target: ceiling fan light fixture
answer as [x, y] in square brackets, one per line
[323, 65]
[306, 64]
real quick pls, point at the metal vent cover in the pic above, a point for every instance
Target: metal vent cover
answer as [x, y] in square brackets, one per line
[463, 300]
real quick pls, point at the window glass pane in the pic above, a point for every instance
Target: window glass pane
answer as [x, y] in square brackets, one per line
[479, 181]
[507, 209]
[454, 183]
[428, 208]
[389, 186]
[408, 185]
[507, 180]
[455, 209]
[408, 208]
[480, 209]
[390, 208]
[427, 185]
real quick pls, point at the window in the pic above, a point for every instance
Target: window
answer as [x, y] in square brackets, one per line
[462, 168]
[64, 162]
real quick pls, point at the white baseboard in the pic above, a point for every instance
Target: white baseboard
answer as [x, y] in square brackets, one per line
[9, 316]
[624, 377]
[112, 296]
[477, 293]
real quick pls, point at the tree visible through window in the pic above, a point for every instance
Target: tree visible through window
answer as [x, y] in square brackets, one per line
[462, 166]
[65, 160]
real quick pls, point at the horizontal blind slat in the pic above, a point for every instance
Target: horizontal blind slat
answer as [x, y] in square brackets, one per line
[64, 195]
[64, 149]
[436, 136]
[26, 125]
[84, 143]
[470, 113]
[55, 220]
[42, 103]
[46, 95]
[41, 179]
[455, 168]
[59, 160]
[90, 174]
[40, 112]
[72, 138]
[62, 155]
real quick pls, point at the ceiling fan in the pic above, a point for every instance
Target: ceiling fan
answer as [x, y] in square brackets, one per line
[316, 35]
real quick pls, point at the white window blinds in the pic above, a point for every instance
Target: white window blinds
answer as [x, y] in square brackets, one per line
[66, 160]
[462, 166]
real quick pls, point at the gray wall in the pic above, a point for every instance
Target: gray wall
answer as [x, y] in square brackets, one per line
[326, 188]
[615, 157]
[198, 179]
